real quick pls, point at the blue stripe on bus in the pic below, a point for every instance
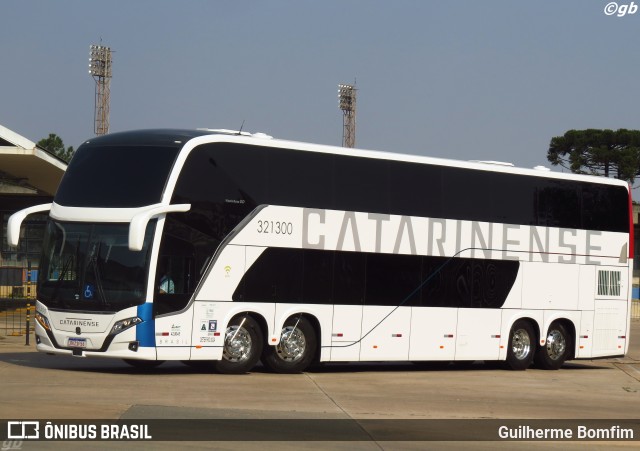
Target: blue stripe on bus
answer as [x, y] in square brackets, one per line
[146, 331]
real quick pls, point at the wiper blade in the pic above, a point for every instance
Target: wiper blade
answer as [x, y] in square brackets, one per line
[61, 277]
[96, 274]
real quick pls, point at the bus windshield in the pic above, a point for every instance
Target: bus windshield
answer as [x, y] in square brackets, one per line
[89, 267]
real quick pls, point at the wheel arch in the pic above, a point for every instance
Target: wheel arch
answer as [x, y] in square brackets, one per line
[532, 322]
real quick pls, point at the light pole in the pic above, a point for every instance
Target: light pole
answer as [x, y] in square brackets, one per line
[347, 102]
[100, 70]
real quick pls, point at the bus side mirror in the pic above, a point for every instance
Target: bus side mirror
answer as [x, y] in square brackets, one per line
[15, 221]
[139, 222]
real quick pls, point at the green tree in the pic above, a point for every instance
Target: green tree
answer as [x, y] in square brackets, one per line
[54, 145]
[598, 152]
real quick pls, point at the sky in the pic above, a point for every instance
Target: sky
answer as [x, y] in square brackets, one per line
[464, 79]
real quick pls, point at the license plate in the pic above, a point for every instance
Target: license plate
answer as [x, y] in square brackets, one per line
[77, 343]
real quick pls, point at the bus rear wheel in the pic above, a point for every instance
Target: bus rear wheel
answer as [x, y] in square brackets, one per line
[242, 346]
[555, 352]
[522, 344]
[296, 349]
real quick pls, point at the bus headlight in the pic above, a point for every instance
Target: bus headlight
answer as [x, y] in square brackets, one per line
[124, 324]
[43, 321]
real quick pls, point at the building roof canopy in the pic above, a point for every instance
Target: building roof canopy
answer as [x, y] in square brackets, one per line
[22, 160]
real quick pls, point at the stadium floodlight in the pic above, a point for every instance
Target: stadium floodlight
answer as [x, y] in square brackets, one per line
[347, 103]
[100, 70]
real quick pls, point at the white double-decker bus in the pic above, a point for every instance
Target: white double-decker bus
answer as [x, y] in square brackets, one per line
[223, 249]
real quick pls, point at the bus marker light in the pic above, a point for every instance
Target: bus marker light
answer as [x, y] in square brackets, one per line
[273, 340]
[495, 336]
[338, 335]
[581, 347]
[216, 334]
[441, 347]
[584, 336]
[396, 335]
[375, 346]
[622, 337]
[198, 346]
[448, 336]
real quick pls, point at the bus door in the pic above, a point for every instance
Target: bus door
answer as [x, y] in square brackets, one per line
[175, 283]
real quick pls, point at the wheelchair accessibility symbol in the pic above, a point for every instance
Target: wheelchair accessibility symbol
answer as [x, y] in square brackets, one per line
[88, 291]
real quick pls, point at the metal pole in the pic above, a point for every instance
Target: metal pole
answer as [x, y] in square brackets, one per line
[28, 323]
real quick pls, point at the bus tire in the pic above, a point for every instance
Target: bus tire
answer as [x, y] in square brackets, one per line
[296, 350]
[143, 364]
[522, 345]
[556, 349]
[242, 346]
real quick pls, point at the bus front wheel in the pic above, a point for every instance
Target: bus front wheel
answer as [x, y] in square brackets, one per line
[242, 346]
[522, 344]
[553, 354]
[296, 349]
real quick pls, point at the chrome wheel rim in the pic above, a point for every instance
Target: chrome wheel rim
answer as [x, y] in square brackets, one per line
[237, 344]
[292, 344]
[521, 344]
[556, 345]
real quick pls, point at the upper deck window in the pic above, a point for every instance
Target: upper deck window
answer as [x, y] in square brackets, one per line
[116, 176]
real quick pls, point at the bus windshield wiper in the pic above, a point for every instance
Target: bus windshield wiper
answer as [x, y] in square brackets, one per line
[61, 277]
[92, 262]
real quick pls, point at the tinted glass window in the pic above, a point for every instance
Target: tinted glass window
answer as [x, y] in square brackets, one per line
[227, 181]
[317, 285]
[393, 279]
[558, 204]
[87, 266]
[184, 254]
[415, 189]
[116, 176]
[299, 178]
[605, 208]
[360, 184]
[467, 282]
[349, 278]
[488, 196]
[296, 275]
[223, 184]
[275, 277]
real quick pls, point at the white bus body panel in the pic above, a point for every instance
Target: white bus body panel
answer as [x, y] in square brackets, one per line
[346, 333]
[584, 336]
[478, 334]
[609, 327]
[433, 333]
[545, 286]
[587, 288]
[388, 330]
[173, 335]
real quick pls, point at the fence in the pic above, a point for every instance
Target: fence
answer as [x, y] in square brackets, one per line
[635, 309]
[13, 316]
